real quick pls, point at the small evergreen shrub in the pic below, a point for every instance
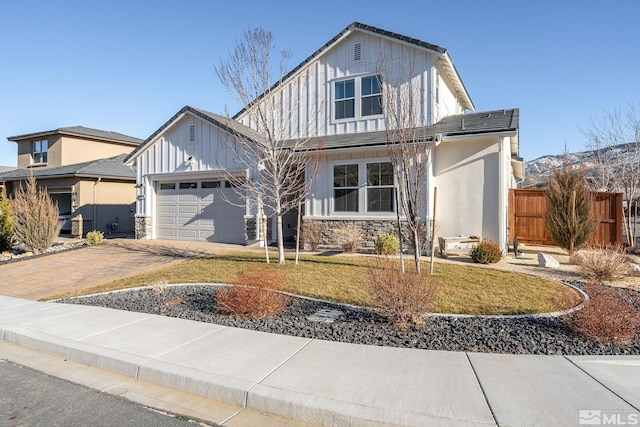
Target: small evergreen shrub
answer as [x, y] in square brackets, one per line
[256, 294]
[94, 237]
[6, 221]
[486, 252]
[387, 244]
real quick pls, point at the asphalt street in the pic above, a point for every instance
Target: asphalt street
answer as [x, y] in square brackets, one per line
[32, 398]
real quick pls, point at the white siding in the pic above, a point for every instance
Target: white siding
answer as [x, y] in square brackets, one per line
[305, 101]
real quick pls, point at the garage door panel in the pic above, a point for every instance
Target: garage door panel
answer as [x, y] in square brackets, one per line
[200, 214]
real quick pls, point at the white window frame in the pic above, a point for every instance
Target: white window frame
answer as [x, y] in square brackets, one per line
[357, 98]
[362, 189]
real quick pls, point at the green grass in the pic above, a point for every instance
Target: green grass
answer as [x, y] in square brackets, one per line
[462, 289]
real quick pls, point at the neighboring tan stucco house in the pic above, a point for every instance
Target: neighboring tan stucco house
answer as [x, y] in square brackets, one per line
[336, 91]
[82, 170]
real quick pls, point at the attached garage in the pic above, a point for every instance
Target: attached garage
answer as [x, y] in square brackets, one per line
[203, 210]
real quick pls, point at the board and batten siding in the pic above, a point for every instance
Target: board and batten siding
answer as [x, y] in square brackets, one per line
[305, 101]
[169, 155]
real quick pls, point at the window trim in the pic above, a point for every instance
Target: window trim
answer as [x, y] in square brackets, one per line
[358, 97]
[380, 186]
[362, 189]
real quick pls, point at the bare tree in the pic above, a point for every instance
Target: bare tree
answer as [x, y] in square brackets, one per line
[615, 140]
[282, 163]
[409, 153]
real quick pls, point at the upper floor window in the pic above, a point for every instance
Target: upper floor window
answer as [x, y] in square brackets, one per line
[357, 97]
[371, 96]
[39, 151]
[345, 99]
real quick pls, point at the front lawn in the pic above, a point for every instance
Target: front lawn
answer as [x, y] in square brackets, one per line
[462, 289]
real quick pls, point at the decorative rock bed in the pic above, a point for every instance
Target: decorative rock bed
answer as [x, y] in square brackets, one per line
[493, 334]
[20, 253]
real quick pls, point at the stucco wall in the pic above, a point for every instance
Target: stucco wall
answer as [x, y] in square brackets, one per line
[467, 176]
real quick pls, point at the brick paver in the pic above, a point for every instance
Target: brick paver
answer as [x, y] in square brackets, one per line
[59, 273]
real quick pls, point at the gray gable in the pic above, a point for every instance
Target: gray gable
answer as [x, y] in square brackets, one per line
[112, 167]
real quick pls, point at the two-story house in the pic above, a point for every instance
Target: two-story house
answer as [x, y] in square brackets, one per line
[339, 93]
[82, 170]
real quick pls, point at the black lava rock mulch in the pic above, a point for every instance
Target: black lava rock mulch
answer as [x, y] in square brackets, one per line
[515, 335]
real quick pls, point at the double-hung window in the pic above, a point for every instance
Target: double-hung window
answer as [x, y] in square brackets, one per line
[357, 97]
[371, 96]
[39, 151]
[380, 196]
[345, 99]
[345, 188]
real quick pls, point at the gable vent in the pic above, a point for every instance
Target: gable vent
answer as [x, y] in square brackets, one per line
[192, 133]
[357, 52]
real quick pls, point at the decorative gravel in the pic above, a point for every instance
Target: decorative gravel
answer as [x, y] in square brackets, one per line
[20, 253]
[495, 334]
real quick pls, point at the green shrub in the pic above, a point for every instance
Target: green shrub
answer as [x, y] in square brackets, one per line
[486, 252]
[94, 237]
[6, 221]
[387, 244]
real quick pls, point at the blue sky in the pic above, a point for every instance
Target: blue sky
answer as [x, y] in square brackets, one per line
[128, 66]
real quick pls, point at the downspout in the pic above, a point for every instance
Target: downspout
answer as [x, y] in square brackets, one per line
[95, 207]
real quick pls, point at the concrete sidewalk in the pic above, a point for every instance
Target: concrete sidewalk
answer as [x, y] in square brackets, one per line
[329, 383]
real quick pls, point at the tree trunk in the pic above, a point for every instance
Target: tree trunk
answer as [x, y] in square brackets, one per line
[280, 238]
[416, 248]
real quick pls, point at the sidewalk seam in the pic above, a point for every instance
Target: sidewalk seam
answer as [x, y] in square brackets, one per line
[484, 394]
[602, 384]
[246, 393]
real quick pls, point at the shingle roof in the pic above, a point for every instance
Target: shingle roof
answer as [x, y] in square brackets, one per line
[217, 120]
[456, 125]
[81, 131]
[357, 25]
[112, 167]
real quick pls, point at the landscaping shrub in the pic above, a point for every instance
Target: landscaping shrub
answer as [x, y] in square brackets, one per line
[6, 221]
[312, 235]
[569, 200]
[403, 298]
[606, 317]
[486, 252]
[601, 263]
[94, 237]
[349, 237]
[387, 244]
[35, 217]
[255, 294]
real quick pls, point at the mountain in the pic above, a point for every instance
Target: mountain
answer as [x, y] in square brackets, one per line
[537, 171]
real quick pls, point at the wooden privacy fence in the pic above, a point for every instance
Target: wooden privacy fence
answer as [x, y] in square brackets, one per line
[527, 209]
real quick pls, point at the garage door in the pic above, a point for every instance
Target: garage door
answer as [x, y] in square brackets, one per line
[199, 210]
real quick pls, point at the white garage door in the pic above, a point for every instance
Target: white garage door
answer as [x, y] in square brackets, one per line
[199, 210]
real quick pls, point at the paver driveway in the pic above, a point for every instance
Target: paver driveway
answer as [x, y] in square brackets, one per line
[55, 274]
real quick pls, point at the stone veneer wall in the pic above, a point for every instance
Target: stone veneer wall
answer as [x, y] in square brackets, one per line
[143, 227]
[368, 231]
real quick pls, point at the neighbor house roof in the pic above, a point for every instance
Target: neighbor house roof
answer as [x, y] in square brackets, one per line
[217, 120]
[81, 131]
[112, 167]
[485, 122]
[444, 60]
